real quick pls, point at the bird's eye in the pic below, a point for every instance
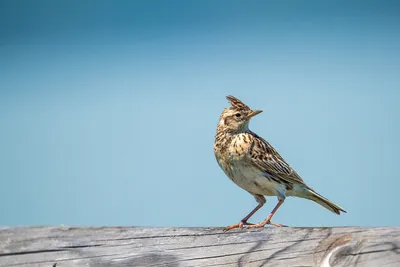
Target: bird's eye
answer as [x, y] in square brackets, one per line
[237, 115]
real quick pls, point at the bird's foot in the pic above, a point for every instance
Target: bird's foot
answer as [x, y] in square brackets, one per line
[239, 225]
[262, 224]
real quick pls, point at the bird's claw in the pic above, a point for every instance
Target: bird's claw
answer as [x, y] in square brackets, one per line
[240, 225]
[262, 224]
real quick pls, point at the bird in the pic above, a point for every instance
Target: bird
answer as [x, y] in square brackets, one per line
[255, 166]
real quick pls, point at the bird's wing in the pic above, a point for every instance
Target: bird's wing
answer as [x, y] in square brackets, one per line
[265, 157]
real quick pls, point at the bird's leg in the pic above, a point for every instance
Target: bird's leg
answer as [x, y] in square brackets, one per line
[268, 219]
[261, 201]
[244, 220]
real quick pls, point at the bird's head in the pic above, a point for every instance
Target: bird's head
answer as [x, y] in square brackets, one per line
[237, 117]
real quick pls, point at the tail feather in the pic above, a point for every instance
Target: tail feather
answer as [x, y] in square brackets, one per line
[314, 196]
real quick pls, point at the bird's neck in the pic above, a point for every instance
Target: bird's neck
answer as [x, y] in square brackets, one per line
[224, 136]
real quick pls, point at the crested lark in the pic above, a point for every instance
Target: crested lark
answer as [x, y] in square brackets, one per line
[255, 166]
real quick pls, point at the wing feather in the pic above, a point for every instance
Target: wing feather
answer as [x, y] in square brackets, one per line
[264, 156]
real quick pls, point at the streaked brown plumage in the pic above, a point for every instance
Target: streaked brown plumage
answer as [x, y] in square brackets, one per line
[254, 165]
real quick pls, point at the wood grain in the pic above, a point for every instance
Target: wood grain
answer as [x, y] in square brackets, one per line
[183, 247]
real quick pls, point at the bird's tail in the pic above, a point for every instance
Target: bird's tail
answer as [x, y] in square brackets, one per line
[314, 196]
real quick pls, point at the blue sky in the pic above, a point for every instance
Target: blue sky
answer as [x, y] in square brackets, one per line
[108, 109]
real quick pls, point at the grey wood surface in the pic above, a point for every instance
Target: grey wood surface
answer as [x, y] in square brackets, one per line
[137, 246]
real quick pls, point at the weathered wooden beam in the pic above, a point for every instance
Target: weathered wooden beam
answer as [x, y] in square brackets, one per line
[138, 246]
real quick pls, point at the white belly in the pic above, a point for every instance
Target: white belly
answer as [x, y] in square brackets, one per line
[254, 180]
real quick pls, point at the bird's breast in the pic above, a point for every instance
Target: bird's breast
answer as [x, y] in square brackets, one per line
[230, 151]
[235, 160]
[239, 148]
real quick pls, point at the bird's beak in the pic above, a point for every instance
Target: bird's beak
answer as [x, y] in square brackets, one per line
[253, 113]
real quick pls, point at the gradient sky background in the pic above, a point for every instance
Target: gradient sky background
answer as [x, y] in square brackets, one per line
[108, 109]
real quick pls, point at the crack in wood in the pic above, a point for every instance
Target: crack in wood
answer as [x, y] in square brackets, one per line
[18, 253]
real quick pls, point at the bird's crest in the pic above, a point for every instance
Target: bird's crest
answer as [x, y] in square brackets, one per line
[236, 103]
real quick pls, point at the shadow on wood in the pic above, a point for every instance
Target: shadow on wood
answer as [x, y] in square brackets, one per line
[183, 247]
